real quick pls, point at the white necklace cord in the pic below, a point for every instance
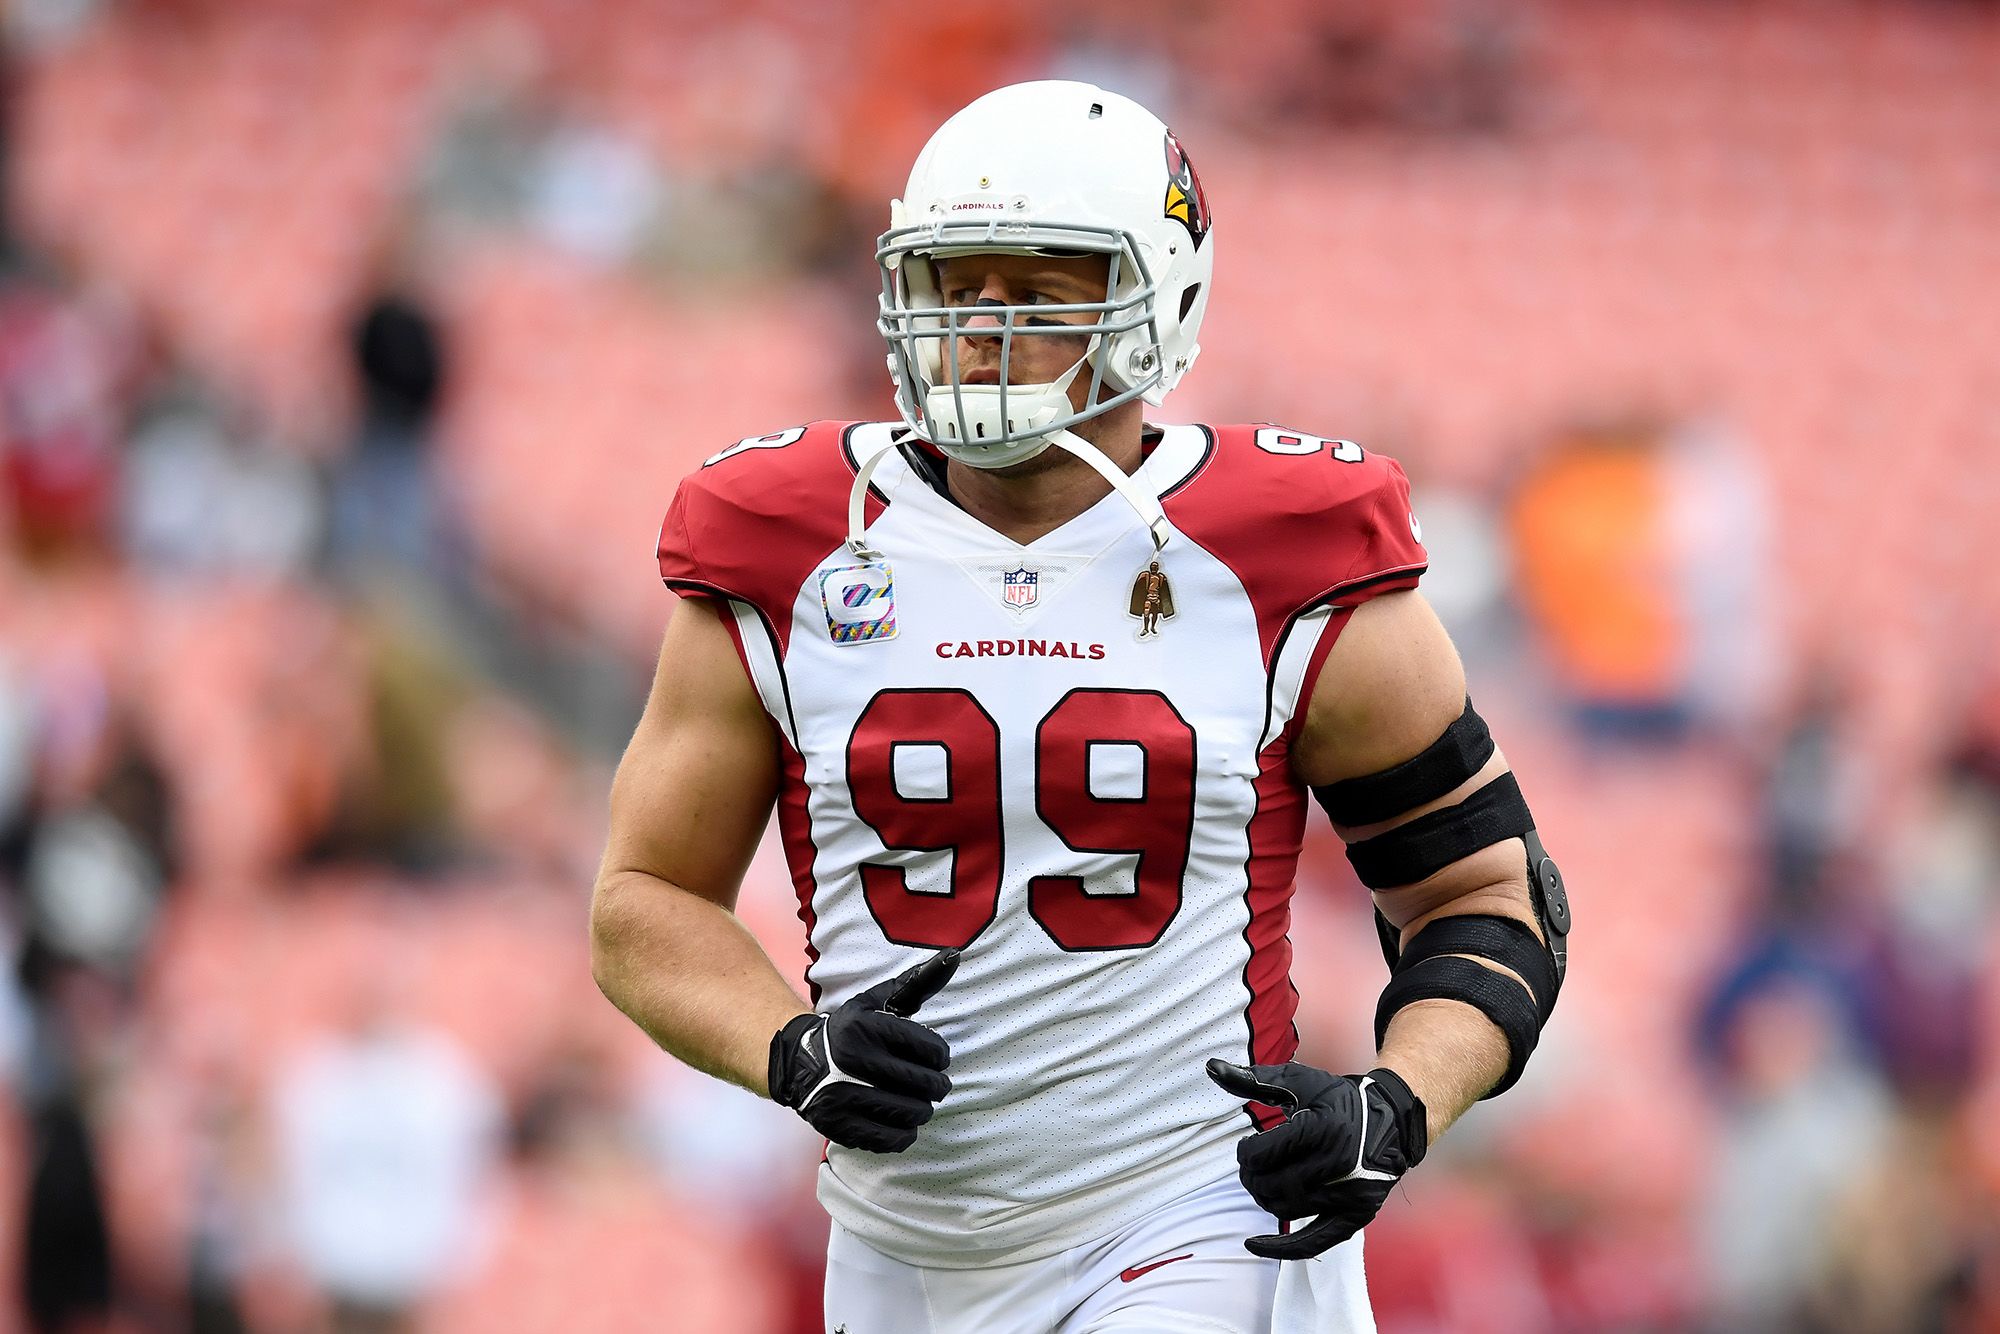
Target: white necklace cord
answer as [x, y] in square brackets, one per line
[857, 497]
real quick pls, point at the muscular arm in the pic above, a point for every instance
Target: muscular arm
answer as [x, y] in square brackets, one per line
[689, 803]
[1390, 686]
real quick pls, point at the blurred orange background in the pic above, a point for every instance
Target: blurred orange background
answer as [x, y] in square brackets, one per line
[350, 353]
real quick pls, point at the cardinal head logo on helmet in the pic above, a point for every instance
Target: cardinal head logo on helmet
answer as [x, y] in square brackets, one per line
[1185, 202]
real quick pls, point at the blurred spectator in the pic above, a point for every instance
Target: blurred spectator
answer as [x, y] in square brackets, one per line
[388, 1137]
[10, 37]
[1718, 529]
[1976, 754]
[37, 26]
[206, 499]
[401, 364]
[91, 885]
[69, 1278]
[65, 356]
[1594, 575]
[396, 798]
[727, 1150]
[474, 171]
[226, 1224]
[1813, 801]
[1476, 76]
[920, 63]
[1638, 550]
[1100, 44]
[1351, 69]
[1466, 585]
[87, 847]
[1450, 67]
[1850, 1031]
[763, 216]
[1800, 1116]
[587, 1240]
[593, 192]
[510, 151]
[1931, 942]
[390, 513]
[17, 747]
[94, 846]
[1899, 1251]
[1902, 915]
[66, 1242]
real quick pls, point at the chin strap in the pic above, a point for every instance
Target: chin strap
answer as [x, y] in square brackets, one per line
[1143, 502]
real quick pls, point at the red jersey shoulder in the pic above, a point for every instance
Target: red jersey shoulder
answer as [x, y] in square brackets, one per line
[758, 516]
[1302, 519]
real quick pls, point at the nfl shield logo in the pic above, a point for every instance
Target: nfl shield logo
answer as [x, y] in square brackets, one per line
[1018, 587]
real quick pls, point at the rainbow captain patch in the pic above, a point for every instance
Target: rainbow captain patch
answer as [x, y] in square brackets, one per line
[1186, 204]
[860, 603]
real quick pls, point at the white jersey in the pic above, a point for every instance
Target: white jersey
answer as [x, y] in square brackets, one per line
[981, 749]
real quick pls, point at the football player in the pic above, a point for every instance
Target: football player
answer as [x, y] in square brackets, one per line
[1040, 692]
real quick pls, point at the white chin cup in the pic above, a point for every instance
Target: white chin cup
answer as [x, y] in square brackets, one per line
[988, 439]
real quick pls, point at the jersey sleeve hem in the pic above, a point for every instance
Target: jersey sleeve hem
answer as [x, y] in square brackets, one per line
[701, 588]
[1354, 592]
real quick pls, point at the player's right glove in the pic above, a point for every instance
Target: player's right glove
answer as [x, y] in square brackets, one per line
[866, 1075]
[1345, 1142]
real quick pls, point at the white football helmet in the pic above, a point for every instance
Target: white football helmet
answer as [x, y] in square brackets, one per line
[1044, 168]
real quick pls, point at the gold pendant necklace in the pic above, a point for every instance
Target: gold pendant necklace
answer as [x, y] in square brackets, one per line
[1152, 599]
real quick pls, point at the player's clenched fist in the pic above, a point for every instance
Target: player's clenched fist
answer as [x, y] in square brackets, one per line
[1344, 1143]
[866, 1075]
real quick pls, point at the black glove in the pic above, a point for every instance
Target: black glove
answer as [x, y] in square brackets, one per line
[1343, 1145]
[866, 1075]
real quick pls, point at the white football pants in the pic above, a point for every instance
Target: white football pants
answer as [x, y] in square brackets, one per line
[1181, 1269]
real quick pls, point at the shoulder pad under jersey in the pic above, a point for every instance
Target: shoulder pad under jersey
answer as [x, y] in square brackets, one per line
[1304, 521]
[759, 516]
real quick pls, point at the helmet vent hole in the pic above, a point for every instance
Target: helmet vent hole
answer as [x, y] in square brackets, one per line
[1096, 110]
[979, 429]
[1188, 298]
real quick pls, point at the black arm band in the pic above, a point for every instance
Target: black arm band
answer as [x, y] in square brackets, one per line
[1453, 759]
[1426, 845]
[1499, 997]
[1501, 940]
[1390, 938]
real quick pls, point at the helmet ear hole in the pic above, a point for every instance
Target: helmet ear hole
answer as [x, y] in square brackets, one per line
[1188, 297]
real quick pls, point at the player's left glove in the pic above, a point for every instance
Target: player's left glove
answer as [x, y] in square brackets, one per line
[1345, 1142]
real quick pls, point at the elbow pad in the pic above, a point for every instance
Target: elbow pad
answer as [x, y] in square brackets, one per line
[1434, 966]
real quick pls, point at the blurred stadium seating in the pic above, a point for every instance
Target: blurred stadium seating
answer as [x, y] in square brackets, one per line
[1780, 217]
